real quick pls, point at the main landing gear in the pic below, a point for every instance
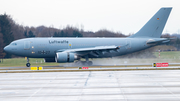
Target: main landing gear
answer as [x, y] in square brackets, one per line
[28, 64]
[84, 63]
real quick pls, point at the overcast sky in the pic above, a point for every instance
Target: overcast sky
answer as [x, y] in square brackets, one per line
[126, 16]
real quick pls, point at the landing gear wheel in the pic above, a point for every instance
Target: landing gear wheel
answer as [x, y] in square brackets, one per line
[28, 64]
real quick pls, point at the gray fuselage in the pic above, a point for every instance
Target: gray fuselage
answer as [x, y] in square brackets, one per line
[48, 47]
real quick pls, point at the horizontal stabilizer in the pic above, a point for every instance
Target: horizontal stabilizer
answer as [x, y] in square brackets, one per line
[155, 42]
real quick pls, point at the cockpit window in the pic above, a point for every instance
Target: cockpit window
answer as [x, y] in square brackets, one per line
[14, 44]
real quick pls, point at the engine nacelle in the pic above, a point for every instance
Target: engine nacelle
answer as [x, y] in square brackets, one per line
[63, 57]
[49, 60]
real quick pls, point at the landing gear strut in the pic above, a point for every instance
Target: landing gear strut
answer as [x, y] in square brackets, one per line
[89, 63]
[28, 64]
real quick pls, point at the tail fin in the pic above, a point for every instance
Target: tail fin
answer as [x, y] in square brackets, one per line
[154, 27]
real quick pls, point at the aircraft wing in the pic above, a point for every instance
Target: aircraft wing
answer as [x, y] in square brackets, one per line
[93, 50]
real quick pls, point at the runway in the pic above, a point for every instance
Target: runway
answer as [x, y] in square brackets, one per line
[142, 85]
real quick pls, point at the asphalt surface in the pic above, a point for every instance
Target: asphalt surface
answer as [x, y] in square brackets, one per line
[142, 85]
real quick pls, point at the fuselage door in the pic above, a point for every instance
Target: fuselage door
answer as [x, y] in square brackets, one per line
[26, 45]
[128, 44]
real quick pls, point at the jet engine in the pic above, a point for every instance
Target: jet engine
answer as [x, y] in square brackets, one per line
[63, 57]
[49, 60]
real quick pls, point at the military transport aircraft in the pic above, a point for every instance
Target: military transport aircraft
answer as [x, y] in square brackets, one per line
[64, 50]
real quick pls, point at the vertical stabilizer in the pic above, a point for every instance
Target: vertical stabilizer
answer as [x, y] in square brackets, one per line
[154, 27]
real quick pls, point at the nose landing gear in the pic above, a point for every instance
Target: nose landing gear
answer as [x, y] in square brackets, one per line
[28, 64]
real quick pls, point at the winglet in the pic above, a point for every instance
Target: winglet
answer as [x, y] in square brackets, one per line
[154, 27]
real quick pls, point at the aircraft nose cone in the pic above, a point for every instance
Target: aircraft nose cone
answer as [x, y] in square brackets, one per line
[6, 49]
